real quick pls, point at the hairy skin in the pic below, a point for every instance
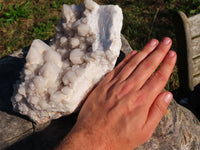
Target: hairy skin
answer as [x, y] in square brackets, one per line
[124, 109]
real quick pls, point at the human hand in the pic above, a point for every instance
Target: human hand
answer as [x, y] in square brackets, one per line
[124, 109]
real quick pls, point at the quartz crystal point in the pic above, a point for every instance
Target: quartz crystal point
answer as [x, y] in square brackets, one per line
[57, 77]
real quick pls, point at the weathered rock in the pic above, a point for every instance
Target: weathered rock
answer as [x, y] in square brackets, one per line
[178, 130]
[13, 129]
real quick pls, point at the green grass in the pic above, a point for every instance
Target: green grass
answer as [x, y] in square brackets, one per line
[16, 12]
[22, 21]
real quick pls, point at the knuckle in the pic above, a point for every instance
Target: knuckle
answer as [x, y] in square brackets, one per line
[113, 89]
[124, 88]
[129, 66]
[141, 99]
[134, 62]
[108, 77]
[160, 109]
[148, 63]
[160, 76]
[120, 78]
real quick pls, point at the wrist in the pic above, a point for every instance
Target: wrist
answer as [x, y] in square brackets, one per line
[82, 139]
[72, 141]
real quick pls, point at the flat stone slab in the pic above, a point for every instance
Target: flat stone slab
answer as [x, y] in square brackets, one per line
[179, 128]
[13, 129]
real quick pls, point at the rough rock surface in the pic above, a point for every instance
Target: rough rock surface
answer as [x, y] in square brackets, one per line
[11, 127]
[178, 130]
[57, 77]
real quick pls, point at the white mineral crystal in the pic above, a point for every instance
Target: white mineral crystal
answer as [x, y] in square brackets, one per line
[57, 77]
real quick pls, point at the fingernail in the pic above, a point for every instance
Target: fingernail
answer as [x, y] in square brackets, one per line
[166, 40]
[153, 42]
[168, 98]
[171, 53]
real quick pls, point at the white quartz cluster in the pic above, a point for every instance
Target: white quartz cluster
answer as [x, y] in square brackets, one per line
[57, 77]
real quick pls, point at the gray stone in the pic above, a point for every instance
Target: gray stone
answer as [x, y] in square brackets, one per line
[178, 130]
[13, 129]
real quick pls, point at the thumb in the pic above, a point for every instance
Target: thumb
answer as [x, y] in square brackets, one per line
[157, 110]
